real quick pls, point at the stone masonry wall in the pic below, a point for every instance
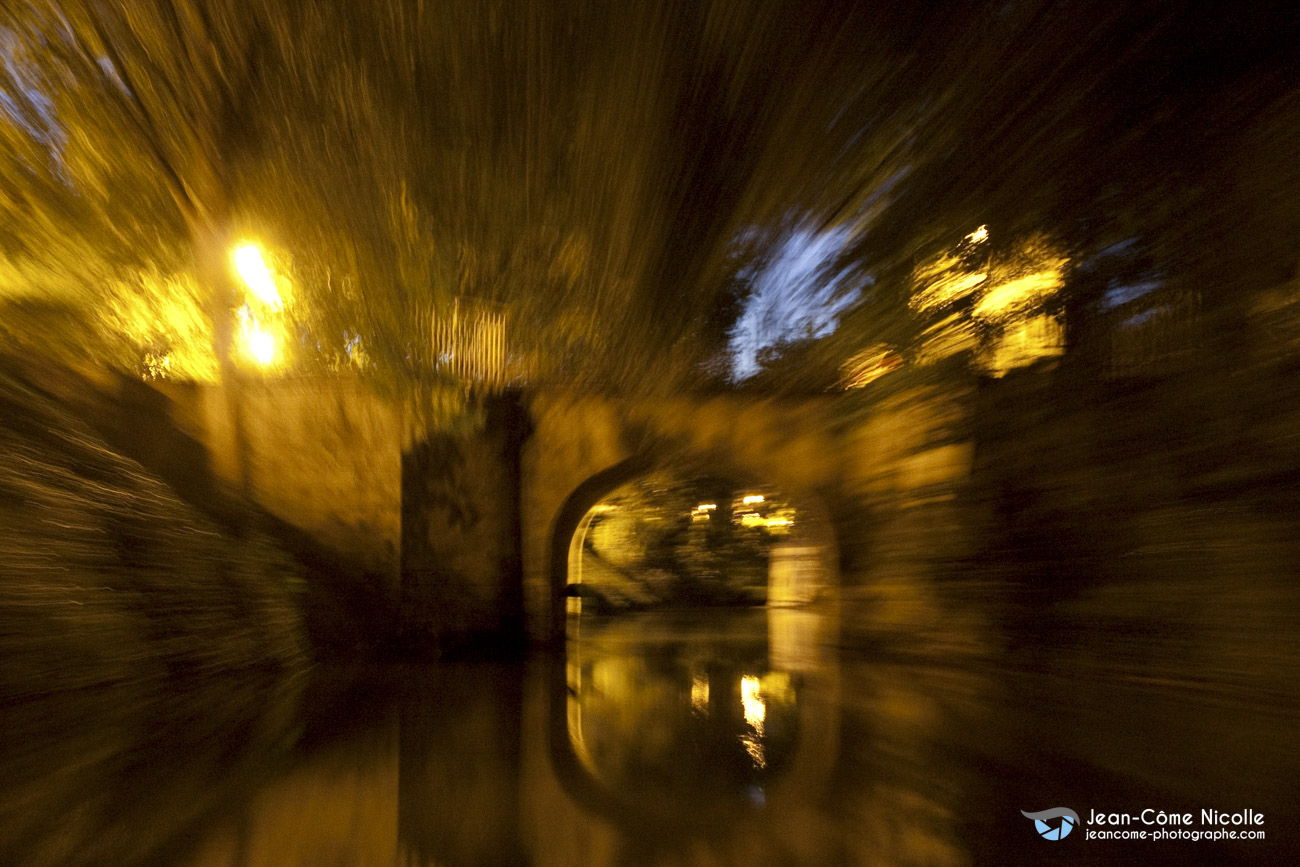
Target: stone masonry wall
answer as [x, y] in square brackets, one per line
[322, 455]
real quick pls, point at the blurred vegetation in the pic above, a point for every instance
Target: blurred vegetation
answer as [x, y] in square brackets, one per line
[1142, 148]
[562, 160]
[618, 178]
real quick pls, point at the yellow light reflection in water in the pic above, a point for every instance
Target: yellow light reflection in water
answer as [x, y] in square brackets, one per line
[752, 498]
[751, 700]
[700, 693]
[778, 687]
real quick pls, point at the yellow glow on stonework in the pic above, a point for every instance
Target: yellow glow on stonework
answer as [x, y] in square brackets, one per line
[256, 276]
[1017, 295]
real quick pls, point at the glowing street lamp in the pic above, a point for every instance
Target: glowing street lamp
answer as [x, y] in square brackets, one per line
[259, 343]
[256, 276]
[261, 346]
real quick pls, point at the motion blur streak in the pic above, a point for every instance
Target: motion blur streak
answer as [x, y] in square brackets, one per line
[686, 432]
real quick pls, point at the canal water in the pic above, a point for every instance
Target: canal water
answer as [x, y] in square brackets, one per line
[671, 738]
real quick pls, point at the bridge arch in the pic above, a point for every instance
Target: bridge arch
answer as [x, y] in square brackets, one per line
[814, 529]
[583, 448]
[801, 640]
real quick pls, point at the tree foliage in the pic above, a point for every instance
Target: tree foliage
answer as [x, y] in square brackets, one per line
[594, 169]
[586, 166]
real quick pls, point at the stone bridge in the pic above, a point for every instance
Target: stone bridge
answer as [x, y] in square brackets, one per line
[470, 532]
[499, 546]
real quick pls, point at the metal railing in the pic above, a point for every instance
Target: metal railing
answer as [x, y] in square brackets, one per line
[470, 343]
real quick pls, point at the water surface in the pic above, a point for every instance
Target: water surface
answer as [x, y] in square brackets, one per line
[728, 738]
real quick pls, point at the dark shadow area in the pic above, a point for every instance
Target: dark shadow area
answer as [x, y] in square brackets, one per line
[461, 559]
[155, 775]
[460, 792]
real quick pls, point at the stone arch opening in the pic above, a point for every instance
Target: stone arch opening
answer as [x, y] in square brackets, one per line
[804, 565]
[768, 701]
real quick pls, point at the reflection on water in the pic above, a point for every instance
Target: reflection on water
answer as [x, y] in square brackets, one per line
[134, 775]
[656, 740]
[704, 738]
[681, 710]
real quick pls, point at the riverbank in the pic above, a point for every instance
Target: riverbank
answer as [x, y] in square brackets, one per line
[110, 576]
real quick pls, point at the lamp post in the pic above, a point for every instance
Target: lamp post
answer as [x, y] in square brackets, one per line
[259, 288]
